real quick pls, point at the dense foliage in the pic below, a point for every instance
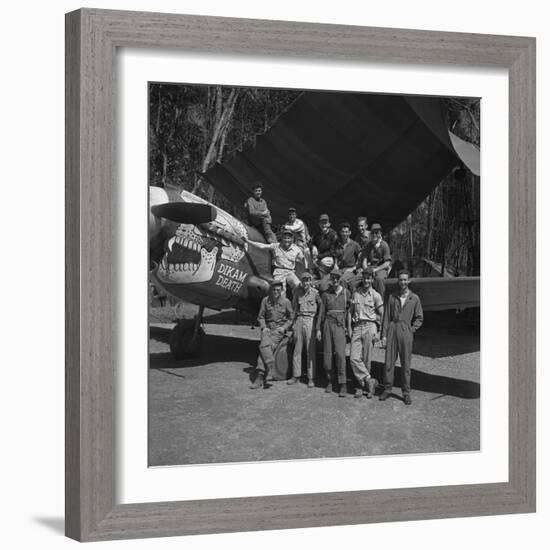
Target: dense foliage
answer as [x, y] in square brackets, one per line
[191, 127]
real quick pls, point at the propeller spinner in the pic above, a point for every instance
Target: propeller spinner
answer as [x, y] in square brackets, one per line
[185, 212]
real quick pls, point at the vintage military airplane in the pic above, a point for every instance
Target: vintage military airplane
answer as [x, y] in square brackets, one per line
[346, 154]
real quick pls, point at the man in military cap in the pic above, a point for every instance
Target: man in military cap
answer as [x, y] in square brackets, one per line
[284, 256]
[299, 229]
[377, 255]
[334, 318]
[275, 318]
[305, 302]
[367, 310]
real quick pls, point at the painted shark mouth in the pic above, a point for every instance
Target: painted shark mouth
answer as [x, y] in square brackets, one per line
[187, 258]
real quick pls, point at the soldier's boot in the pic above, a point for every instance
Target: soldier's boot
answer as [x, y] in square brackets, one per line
[292, 380]
[371, 387]
[259, 382]
[328, 388]
[310, 383]
[361, 388]
[343, 390]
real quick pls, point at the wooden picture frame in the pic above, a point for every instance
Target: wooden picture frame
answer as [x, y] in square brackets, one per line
[92, 39]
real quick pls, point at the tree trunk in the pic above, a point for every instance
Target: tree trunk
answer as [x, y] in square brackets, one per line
[429, 223]
[410, 244]
[223, 115]
[164, 168]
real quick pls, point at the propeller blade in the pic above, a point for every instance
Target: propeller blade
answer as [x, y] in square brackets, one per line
[185, 212]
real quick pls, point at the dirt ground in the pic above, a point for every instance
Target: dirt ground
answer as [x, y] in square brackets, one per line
[202, 410]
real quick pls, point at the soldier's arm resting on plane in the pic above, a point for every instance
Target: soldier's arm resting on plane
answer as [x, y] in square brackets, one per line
[264, 246]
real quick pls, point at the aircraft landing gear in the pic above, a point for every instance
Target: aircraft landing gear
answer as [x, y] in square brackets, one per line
[187, 336]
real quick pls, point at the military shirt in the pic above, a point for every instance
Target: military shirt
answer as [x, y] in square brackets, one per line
[257, 210]
[335, 306]
[306, 304]
[275, 313]
[347, 254]
[299, 230]
[325, 243]
[285, 259]
[377, 255]
[365, 305]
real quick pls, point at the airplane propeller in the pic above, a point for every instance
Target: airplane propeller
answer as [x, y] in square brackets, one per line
[185, 212]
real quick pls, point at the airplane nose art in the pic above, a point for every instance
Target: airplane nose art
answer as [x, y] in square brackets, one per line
[190, 257]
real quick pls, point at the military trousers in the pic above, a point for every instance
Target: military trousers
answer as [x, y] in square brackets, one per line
[399, 341]
[334, 344]
[379, 283]
[304, 336]
[286, 276]
[362, 346]
[269, 341]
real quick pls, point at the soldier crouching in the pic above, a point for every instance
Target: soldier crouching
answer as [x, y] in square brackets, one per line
[275, 318]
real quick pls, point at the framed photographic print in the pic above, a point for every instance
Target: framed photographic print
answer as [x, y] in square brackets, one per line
[240, 189]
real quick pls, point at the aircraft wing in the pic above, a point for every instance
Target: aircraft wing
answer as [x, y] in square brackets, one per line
[347, 154]
[439, 293]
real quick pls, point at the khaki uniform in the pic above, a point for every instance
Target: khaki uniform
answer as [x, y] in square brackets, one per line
[306, 305]
[276, 316]
[365, 307]
[284, 264]
[376, 254]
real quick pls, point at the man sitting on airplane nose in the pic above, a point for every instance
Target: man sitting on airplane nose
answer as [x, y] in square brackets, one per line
[284, 256]
[275, 318]
[258, 213]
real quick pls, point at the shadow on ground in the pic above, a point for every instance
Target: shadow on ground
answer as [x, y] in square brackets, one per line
[432, 383]
[215, 349]
[445, 334]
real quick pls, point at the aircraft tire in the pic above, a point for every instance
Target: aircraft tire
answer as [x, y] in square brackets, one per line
[282, 368]
[182, 343]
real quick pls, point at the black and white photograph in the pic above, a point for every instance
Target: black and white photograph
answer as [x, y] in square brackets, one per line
[314, 274]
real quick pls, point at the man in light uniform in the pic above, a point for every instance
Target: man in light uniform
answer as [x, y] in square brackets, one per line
[300, 234]
[275, 318]
[299, 229]
[305, 304]
[284, 256]
[367, 310]
[402, 318]
[334, 317]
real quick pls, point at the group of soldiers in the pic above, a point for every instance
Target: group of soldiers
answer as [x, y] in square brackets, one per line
[345, 300]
